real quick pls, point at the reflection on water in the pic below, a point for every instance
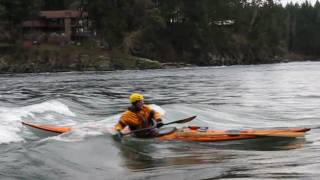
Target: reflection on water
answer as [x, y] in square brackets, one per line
[262, 144]
[147, 154]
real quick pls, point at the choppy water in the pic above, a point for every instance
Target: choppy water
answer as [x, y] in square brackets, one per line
[235, 97]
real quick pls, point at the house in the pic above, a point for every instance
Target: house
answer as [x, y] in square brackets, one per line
[72, 24]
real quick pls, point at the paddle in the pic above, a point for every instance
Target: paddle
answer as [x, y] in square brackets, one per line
[173, 122]
[181, 121]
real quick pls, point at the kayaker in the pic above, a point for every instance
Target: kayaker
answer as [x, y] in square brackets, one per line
[139, 116]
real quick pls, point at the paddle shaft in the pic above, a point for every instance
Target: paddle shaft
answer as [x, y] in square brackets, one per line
[153, 127]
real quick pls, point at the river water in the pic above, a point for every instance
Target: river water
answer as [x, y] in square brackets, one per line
[234, 97]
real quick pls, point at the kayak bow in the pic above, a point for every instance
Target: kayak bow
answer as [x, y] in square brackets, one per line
[46, 130]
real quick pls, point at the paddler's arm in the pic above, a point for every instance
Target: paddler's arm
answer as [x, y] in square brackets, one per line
[119, 127]
[157, 117]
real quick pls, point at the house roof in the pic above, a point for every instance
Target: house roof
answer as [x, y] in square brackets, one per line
[62, 14]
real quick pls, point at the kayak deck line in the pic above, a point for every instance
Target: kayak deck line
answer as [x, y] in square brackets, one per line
[199, 134]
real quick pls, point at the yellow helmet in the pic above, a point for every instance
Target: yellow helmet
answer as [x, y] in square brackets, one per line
[136, 97]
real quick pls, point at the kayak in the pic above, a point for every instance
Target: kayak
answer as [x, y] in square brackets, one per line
[46, 130]
[192, 133]
[203, 134]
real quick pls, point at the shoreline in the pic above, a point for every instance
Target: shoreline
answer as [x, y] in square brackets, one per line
[165, 67]
[68, 58]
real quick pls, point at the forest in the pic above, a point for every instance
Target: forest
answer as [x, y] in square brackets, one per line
[202, 32]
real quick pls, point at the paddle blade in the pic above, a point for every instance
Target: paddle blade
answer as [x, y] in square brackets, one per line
[181, 121]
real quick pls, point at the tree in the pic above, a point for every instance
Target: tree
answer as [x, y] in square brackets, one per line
[15, 11]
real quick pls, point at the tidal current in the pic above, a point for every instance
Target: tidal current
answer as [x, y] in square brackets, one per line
[233, 97]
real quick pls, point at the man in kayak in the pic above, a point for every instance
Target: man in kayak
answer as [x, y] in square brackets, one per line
[138, 117]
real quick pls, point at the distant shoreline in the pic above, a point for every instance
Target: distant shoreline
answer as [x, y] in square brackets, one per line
[53, 58]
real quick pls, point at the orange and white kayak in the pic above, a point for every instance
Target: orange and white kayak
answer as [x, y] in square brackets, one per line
[191, 133]
[199, 134]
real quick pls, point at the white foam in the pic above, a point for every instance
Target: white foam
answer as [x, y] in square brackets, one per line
[111, 120]
[96, 128]
[158, 109]
[81, 131]
[15, 114]
[9, 134]
[10, 118]
[54, 106]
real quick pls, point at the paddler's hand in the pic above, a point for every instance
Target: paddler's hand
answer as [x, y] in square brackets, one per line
[118, 136]
[159, 124]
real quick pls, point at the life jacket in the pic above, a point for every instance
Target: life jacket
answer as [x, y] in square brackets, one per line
[138, 119]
